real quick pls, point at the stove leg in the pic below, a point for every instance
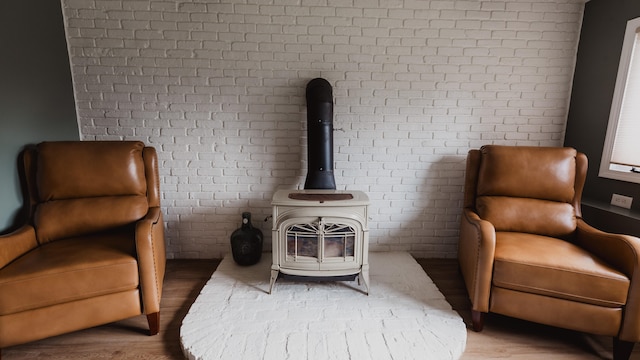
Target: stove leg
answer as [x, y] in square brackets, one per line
[364, 276]
[274, 276]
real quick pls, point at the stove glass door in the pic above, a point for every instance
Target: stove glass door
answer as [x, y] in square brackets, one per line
[321, 239]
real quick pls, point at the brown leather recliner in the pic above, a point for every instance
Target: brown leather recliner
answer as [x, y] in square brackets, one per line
[93, 251]
[525, 251]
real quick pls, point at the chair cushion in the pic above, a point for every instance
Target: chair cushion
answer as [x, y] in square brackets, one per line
[528, 172]
[88, 186]
[68, 270]
[58, 219]
[557, 268]
[535, 216]
[81, 169]
[528, 189]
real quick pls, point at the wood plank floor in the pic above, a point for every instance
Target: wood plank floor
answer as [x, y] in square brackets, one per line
[502, 338]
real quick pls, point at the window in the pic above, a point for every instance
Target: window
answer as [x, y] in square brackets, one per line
[621, 153]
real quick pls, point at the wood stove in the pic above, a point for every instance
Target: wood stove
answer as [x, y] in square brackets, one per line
[320, 234]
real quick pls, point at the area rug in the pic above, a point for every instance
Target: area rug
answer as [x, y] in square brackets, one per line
[404, 316]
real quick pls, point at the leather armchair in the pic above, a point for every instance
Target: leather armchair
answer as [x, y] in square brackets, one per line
[525, 251]
[93, 250]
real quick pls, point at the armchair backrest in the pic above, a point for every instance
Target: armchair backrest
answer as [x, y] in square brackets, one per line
[81, 187]
[527, 189]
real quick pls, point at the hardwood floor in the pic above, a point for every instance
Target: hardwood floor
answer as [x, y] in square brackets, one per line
[502, 337]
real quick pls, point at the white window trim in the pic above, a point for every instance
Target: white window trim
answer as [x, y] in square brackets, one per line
[633, 27]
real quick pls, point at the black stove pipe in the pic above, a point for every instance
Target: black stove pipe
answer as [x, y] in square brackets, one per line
[320, 135]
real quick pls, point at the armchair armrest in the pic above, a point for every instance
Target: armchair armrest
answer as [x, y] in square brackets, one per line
[476, 250]
[623, 253]
[17, 243]
[151, 253]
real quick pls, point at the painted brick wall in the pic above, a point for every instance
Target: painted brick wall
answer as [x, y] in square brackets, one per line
[218, 88]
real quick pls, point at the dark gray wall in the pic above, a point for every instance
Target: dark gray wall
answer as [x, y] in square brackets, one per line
[36, 94]
[594, 81]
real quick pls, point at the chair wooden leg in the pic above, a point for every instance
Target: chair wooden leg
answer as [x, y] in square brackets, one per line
[622, 349]
[154, 323]
[477, 318]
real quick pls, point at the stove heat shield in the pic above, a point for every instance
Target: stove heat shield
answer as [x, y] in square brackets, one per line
[320, 135]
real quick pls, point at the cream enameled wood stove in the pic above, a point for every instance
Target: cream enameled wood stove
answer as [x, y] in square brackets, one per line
[320, 233]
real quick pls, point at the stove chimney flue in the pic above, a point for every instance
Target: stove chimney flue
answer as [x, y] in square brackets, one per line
[320, 135]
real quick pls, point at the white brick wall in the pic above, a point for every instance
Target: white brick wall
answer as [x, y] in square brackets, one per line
[219, 89]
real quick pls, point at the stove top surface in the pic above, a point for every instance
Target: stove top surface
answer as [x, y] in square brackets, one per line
[320, 197]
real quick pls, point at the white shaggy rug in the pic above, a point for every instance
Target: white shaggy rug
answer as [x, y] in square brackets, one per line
[403, 317]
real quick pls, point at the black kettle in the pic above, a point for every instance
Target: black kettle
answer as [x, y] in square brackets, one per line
[246, 242]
